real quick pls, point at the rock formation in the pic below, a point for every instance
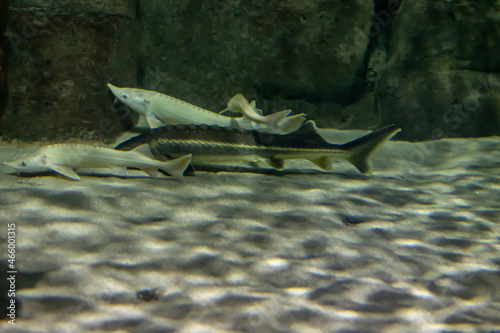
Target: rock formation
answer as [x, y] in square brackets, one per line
[4, 11]
[428, 66]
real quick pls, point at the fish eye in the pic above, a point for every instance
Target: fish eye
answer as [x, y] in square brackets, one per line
[124, 96]
[22, 164]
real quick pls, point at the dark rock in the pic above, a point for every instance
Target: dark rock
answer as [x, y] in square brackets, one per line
[280, 53]
[430, 67]
[436, 77]
[451, 42]
[63, 56]
[47, 8]
[4, 14]
[435, 104]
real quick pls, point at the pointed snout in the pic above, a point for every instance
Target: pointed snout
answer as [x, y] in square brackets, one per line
[11, 164]
[115, 90]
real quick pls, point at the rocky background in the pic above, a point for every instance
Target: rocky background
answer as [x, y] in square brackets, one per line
[429, 66]
[3, 55]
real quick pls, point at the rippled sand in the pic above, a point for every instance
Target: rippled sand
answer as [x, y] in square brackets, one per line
[415, 247]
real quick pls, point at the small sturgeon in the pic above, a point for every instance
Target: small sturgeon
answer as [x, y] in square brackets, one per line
[277, 123]
[213, 144]
[63, 158]
[161, 109]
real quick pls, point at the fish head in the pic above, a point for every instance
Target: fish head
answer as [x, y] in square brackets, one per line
[33, 163]
[136, 99]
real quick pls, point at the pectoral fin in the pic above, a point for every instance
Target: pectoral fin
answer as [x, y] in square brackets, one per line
[65, 171]
[153, 121]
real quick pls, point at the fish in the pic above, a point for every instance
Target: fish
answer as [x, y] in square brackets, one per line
[277, 123]
[63, 158]
[215, 144]
[160, 110]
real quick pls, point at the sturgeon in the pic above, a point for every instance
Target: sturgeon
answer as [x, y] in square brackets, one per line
[161, 110]
[63, 158]
[213, 144]
[277, 123]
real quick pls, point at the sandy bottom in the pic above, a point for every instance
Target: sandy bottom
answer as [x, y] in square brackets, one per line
[415, 247]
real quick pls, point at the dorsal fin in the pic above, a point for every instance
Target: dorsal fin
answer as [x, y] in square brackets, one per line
[144, 150]
[310, 131]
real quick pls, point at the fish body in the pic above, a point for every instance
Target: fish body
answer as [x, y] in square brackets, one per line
[213, 144]
[160, 110]
[63, 158]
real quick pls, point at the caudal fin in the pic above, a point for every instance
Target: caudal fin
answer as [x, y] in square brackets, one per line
[176, 167]
[361, 149]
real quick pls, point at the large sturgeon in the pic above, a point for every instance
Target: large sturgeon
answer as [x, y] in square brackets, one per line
[213, 144]
[161, 109]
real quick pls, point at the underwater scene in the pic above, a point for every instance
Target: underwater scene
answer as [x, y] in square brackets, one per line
[249, 166]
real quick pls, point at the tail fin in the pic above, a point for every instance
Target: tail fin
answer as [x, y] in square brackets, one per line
[176, 167]
[361, 149]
